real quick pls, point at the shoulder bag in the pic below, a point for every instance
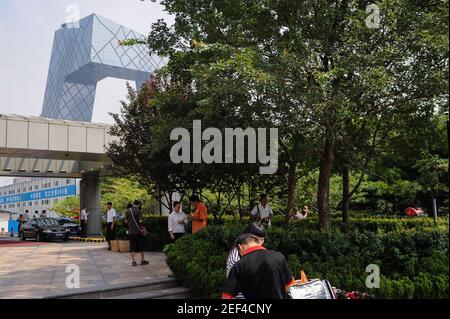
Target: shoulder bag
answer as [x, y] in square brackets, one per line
[142, 229]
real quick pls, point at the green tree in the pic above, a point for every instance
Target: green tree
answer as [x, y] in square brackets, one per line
[142, 151]
[314, 69]
[68, 207]
[122, 191]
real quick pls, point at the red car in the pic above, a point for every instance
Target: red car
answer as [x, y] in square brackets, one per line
[414, 212]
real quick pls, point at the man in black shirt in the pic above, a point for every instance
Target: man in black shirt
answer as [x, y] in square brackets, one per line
[260, 274]
[133, 218]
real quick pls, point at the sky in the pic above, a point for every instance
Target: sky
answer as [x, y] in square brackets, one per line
[26, 36]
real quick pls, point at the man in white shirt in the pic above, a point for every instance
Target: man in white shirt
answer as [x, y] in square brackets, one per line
[83, 221]
[262, 212]
[176, 222]
[110, 224]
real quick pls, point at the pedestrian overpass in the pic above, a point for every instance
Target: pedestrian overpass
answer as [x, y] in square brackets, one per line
[39, 147]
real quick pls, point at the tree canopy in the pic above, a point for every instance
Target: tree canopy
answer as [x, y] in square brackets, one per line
[341, 93]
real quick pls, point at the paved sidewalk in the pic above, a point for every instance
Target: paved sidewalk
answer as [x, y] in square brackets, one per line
[36, 271]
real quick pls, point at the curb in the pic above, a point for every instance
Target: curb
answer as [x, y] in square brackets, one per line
[87, 291]
[88, 240]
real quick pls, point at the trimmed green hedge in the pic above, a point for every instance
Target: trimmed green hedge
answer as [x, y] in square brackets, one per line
[412, 253]
[158, 236]
[413, 259]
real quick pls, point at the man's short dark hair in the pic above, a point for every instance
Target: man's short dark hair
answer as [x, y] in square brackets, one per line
[44, 211]
[109, 203]
[129, 206]
[194, 198]
[175, 203]
[256, 229]
[262, 197]
[26, 211]
[245, 239]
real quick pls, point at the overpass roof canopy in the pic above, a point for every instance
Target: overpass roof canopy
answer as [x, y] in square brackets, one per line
[36, 137]
[40, 147]
[48, 120]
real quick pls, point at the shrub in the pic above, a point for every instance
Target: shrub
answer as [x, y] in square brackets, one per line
[413, 262]
[412, 253]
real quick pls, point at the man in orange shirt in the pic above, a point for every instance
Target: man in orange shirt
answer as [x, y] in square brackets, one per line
[200, 217]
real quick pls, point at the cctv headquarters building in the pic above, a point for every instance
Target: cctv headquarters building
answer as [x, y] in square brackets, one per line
[84, 53]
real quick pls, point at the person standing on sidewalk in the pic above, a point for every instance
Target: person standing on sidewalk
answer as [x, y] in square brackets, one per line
[200, 217]
[111, 216]
[20, 221]
[176, 222]
[133, 218]
[83, 221]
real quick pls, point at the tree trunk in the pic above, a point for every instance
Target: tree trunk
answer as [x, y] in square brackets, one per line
[323, 192]
[239, 204]
[345, 195]
[292, 187]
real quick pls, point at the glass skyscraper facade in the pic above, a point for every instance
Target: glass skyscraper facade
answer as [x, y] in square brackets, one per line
[83, 54]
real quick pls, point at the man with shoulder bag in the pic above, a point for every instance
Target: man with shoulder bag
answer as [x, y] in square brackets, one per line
[262, 212]
[136, 232]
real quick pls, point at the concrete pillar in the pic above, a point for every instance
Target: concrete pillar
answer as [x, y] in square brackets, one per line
[90, 195]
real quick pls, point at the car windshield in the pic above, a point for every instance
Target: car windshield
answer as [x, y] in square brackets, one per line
[47, 222]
